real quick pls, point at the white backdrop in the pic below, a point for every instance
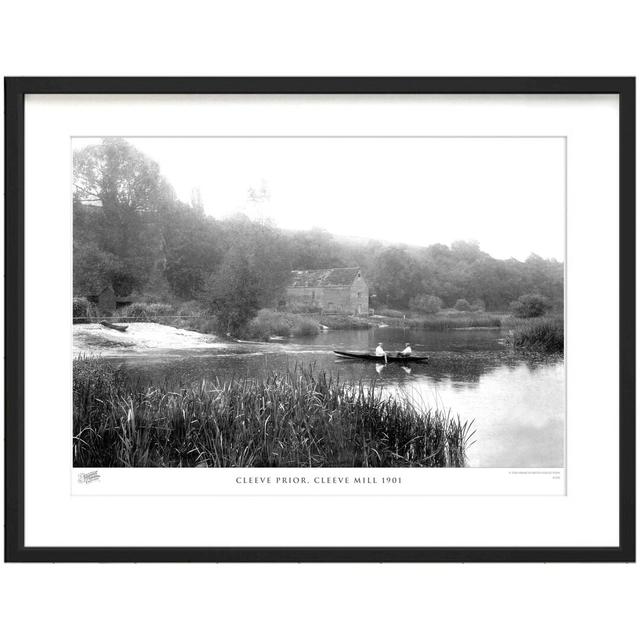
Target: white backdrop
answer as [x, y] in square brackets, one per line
[484, 511]
[372, 38]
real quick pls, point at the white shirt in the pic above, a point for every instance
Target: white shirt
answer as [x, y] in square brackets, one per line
[406, 351]
[379, 351]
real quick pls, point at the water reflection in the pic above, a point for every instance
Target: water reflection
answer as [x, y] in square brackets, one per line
[515, 401]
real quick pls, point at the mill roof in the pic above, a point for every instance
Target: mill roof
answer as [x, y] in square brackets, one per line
[338, 277]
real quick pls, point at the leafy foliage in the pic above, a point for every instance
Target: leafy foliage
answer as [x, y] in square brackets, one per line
[145, 311]
[119, 201]
[396, 275]
[84, 311]
[132, 232]
[462, 305]
[425, 303]
[530, 305]
[274, 323]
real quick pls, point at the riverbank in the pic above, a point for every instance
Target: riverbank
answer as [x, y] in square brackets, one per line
[268, 323]
[298, 418]
[443, 320]
[191, 320]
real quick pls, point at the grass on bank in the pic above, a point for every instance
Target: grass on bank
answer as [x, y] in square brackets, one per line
[339, 321]
[300, 418]
[544, 335]
[443, 320]
[455, 321]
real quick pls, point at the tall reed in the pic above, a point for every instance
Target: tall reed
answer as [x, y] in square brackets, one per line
[299, 418]
[545, 335]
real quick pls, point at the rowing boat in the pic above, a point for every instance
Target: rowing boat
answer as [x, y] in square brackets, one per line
[368, 356]
[117, 327]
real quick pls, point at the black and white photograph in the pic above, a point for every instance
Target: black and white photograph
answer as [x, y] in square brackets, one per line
[320, 320]
[319, 301]
[360, 314]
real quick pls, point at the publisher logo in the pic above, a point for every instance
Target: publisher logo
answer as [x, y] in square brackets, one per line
[88, 477]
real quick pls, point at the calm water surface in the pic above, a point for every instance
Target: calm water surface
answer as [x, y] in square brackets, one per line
[515, 401]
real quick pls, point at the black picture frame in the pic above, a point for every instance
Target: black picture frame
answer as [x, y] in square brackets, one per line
[15, 91]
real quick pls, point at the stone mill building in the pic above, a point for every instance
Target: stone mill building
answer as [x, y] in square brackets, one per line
[340, 290]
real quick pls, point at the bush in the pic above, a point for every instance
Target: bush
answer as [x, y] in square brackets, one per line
[134, 311]
[305, 327]
[144, 311]
[478, 305]
[189, 315]
[84, 311]
[425, 303]
[531, 305]
[159, 309]
[191, 308]
[204, 324]
[462, 305]
[269, 323]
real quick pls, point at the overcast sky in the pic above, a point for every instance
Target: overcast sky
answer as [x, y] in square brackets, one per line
[508, 194]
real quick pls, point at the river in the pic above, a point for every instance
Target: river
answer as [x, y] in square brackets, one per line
[516, 401]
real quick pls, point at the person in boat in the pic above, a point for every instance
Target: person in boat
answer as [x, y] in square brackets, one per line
[380, 352]
[406, 352]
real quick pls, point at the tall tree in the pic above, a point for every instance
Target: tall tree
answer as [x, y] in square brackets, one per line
[126, 192]
[396, 277]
